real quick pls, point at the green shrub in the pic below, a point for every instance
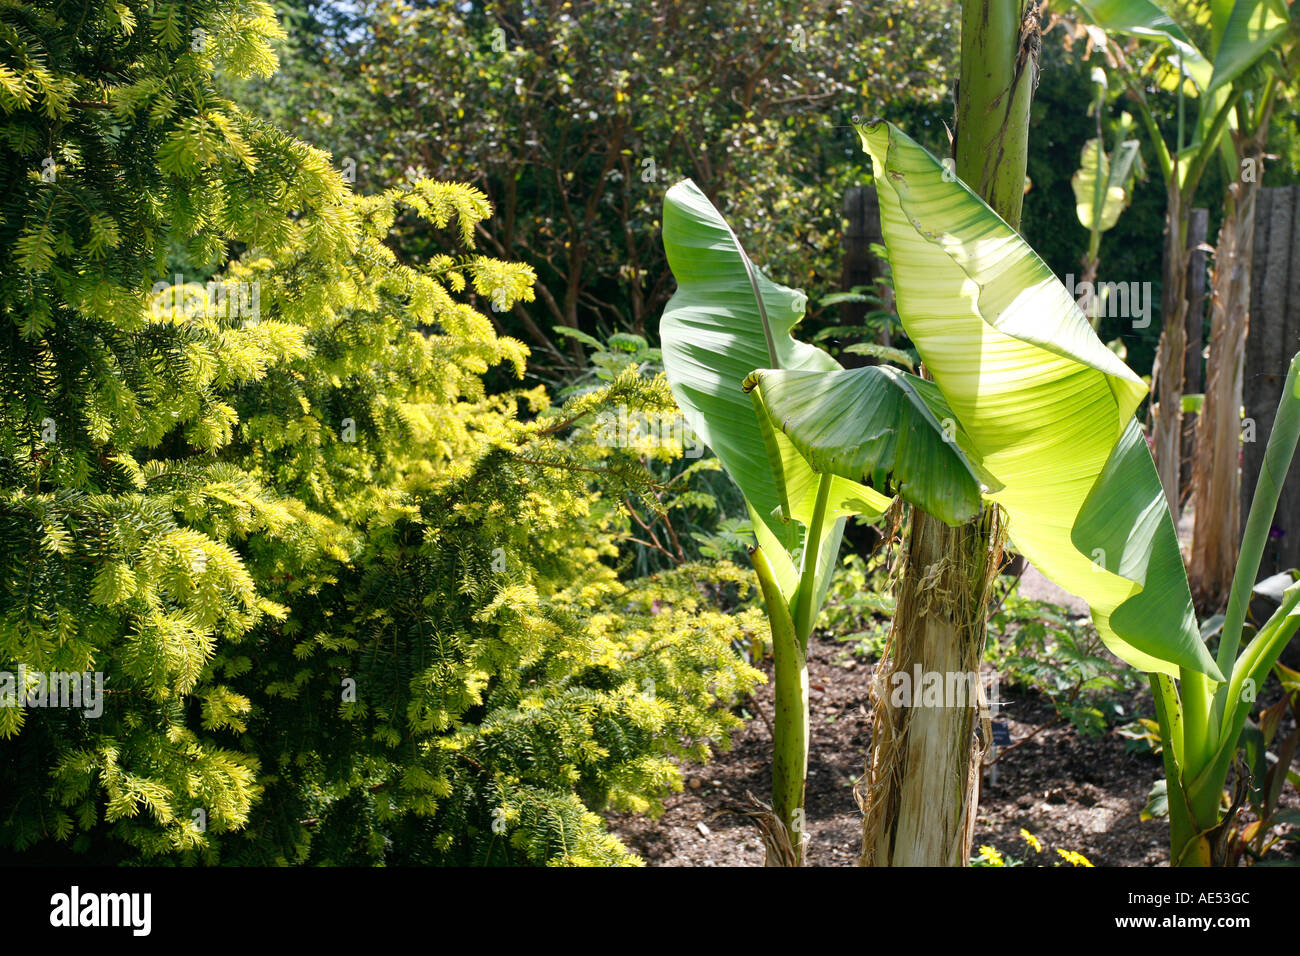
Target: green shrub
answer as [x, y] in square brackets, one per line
[1035, 645]
[349, 606]
[574, 116]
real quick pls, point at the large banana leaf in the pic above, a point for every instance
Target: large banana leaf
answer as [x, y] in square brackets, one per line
[714, 332]
[1046, 407]
[873, 425]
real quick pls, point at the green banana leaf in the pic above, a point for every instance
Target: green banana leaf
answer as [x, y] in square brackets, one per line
[1145, 19]
[1046, 408]
[1278, 457]
[1253, 28]
[1220, 14]
[875, 426]
[1097, 176]
[713, 333]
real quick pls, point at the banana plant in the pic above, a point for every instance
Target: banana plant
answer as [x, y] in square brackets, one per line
[725, 320]
[1039, 406]
[1039, 402]
[1242, 35]
[1027, 409]
[1103, 188]
[1201, 720]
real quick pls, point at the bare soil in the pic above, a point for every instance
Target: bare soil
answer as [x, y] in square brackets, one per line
[1071, 792]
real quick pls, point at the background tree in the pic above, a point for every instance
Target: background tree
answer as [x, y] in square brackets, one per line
[1257, 89]
[574, 116]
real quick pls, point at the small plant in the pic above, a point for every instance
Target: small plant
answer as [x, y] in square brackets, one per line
[879, 324]
[859, 604]
[729, 540]
[1254, 823]
[989, 856]
[1264, 775]
[1035, 645]
[611, 358]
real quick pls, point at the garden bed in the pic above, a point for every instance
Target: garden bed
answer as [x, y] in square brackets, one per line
[1071, 792]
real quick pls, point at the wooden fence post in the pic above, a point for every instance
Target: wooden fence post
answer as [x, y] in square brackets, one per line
[1198, 228]
[860, 267]
[1273, 338]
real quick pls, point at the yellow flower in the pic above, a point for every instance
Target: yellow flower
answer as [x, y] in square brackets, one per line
[1032, 840]
[1074, 859]
[991, 856]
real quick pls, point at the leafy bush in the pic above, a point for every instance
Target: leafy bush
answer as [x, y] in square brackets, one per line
[348, 604]
[691, 511]
[574, 115]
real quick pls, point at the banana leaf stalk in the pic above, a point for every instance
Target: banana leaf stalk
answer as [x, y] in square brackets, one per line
[1201, 721]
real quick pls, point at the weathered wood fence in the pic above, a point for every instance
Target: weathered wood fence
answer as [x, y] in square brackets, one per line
[861, 229]
[1273, 338]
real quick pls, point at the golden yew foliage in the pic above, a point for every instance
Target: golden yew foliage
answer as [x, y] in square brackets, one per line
[349, 604]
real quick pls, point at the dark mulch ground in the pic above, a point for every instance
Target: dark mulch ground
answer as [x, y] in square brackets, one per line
[1072, 792]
